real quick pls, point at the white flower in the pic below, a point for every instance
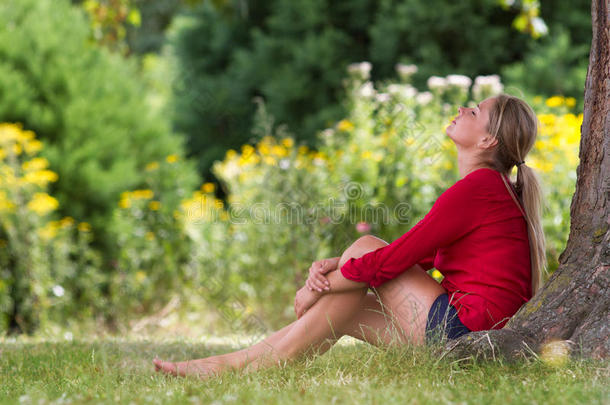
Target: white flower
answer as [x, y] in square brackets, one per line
[402, 90]
[405, 71]
[58, 291]
[383, 97]
[485, 86]
[361, 70]
[436, 82]
[459, 80]
[539, 26]
[284, 164]
[367, 90]
[424, 97]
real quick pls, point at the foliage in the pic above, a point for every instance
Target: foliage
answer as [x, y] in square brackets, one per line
[48, 272]
[109, 19]
[86, 104]
[153, 248]
[293, 54]
[555, 65]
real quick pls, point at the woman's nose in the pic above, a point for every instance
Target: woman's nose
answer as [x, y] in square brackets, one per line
[460, 110]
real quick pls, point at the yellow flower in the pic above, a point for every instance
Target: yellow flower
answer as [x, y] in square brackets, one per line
[140, 276]
[152, 166]
[84, 227]
[366, 154]
[263, 149]
[154, 205]
[231, 153]
[218, 203]
[38, 163]
[66, 222]
[270, 160]
[41, 177]
[345, 125]
[172, 158]
[42, 203]
[49, 231]
[25, 136]
[17, 149]
[32, 147]
[303, 149]
[207, 187]
[125, 203]
[5, 204]
[247, 150]
[570, 102]
[279, 150]
[145, 194]
[436, 274]
[150, 235]
[554, 101]
[288, 142]
[9, 132]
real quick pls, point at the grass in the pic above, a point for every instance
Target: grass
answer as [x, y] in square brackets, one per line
[119, 370]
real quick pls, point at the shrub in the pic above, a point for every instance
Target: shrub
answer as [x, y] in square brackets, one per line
[48, 272]
[87, 104]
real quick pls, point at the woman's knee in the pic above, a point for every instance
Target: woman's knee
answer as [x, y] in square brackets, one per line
[362, 245]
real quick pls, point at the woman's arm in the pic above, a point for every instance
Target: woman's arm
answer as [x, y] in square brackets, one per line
[338, 283]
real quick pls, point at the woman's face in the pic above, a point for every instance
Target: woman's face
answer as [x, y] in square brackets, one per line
[468, 128]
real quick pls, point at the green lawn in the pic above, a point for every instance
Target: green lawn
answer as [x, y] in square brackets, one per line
[112, 370]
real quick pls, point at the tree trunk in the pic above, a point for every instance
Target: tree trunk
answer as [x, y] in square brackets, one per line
[572, 306]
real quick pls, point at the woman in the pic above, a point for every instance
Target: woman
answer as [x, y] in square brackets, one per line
[483, 233]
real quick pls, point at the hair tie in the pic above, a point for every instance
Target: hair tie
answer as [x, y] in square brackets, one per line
[520, 163]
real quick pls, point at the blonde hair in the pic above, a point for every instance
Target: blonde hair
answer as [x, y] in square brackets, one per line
[515, 125]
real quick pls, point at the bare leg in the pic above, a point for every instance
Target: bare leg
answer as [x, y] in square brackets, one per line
[237, 359]
[333, 316]
[316, 331]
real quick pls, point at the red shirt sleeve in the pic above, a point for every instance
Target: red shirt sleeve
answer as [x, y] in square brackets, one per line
[456, 212]
[427, 262]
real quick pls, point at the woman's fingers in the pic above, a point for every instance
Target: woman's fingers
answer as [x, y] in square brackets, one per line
[316, 283]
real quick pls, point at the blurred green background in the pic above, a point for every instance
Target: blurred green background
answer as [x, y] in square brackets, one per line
[194, 157]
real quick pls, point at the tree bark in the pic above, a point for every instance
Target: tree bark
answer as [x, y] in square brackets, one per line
[572, 306]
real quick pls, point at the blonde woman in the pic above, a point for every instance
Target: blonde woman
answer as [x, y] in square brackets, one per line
[484, 234]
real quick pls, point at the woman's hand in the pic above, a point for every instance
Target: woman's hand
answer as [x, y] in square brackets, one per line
[303, 300]
[316, 280]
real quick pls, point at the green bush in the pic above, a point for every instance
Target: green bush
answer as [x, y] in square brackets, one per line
[555, 65]
[88, 105]
[294, 54]
[48, 272]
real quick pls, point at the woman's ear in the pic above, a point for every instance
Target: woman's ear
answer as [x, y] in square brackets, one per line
[488, 142]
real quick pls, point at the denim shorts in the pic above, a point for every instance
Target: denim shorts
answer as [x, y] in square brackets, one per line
[443, 322]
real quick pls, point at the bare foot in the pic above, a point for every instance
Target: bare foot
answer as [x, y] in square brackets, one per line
[199, 368]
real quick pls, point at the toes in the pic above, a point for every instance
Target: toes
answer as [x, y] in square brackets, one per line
[165, 366]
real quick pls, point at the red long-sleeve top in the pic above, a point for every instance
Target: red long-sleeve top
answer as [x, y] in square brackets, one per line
[476, 236]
